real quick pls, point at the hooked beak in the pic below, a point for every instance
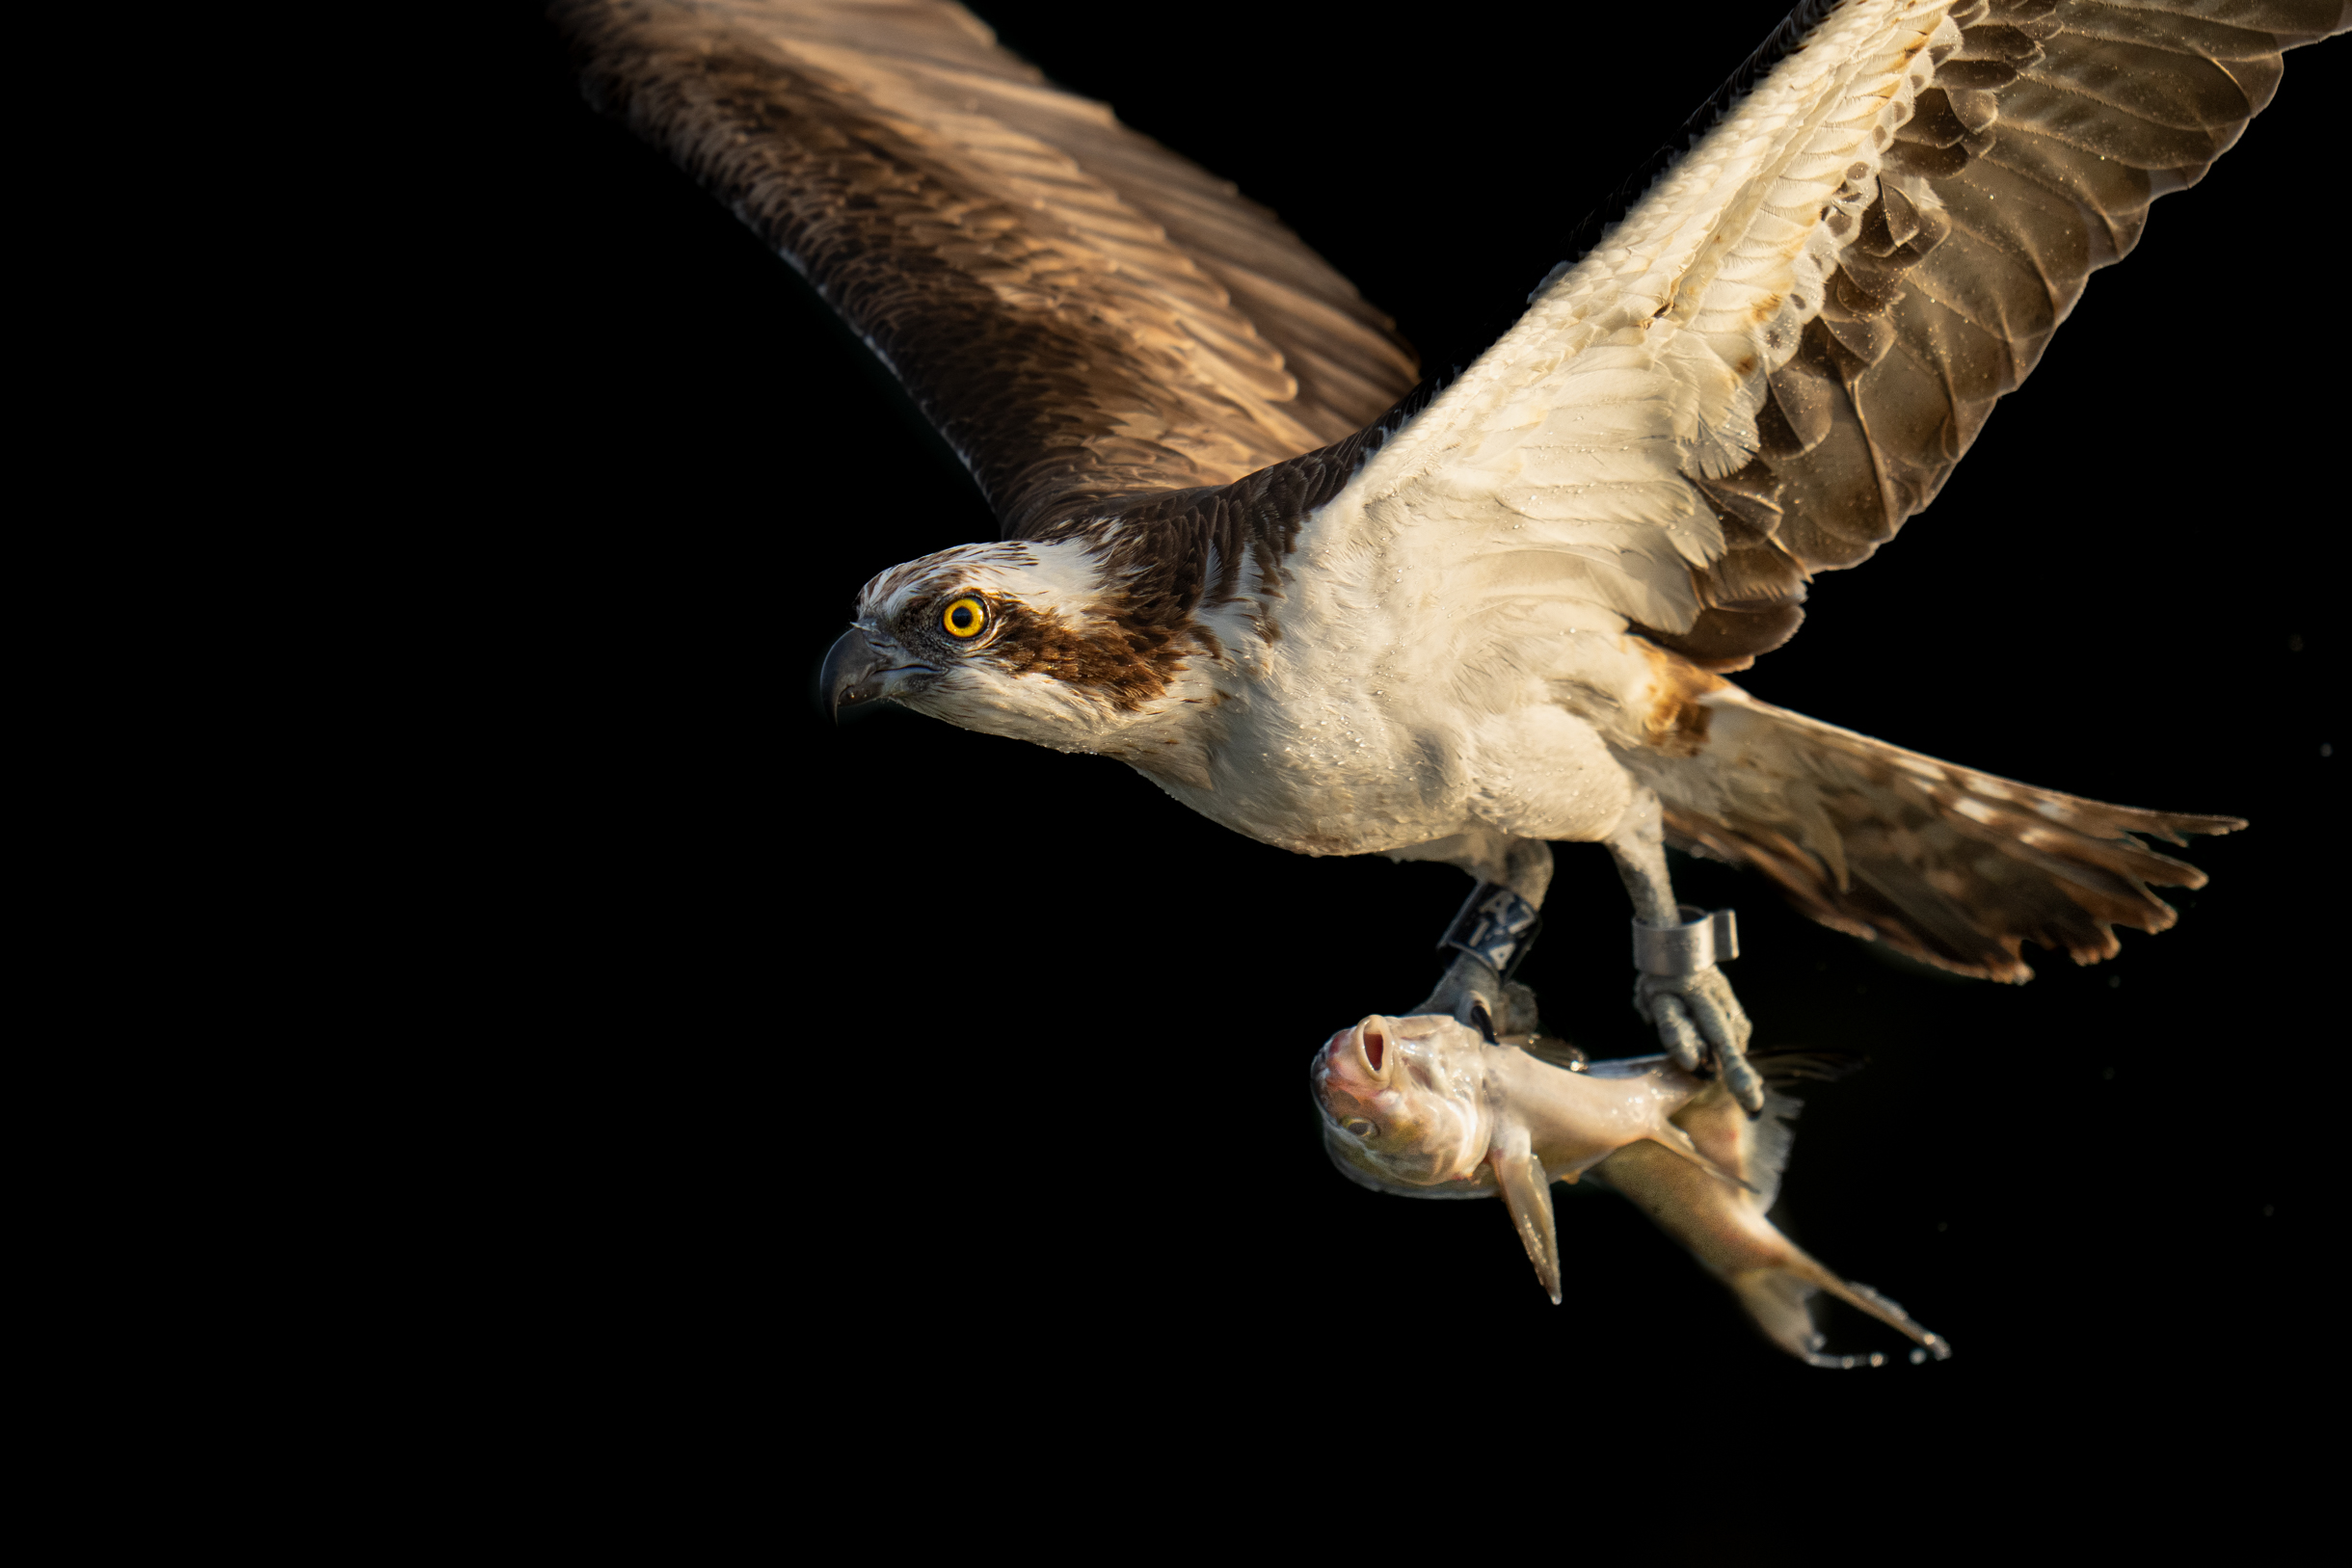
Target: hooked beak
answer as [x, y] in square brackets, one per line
[852, 673]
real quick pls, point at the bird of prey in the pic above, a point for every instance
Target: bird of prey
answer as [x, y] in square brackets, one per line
[1347, 612]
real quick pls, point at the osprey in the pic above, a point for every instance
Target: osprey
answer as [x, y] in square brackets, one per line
[1346, 614]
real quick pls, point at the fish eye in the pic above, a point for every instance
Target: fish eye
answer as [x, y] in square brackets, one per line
[964, 617]
[1357, 1127]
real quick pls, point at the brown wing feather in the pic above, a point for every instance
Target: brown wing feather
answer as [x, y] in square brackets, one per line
[1081, 312]
[2030, 165]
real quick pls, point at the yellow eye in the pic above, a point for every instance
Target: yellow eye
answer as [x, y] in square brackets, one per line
[964, 618]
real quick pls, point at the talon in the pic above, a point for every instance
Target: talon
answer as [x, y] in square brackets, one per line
[1700, 1020]
[1472, 992]
[1683, 1042]
[1740, 1077]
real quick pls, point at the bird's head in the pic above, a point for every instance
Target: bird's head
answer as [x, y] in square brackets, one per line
[1022, 639]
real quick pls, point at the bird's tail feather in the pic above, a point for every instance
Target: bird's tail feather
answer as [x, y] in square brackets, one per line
[1947, 864]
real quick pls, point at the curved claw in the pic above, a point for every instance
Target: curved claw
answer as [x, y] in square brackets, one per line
[1469, 985]
[1698, 1018]
[1740, 1077]
[1684, 1044]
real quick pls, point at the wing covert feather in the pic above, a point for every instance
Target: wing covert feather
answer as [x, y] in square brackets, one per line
[1081, 312]
[1868, 240]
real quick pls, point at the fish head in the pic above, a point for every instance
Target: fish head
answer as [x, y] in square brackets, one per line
[1406, 1096]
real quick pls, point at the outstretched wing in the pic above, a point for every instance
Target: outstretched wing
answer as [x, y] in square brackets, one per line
[1082, 314]
[1779, 350]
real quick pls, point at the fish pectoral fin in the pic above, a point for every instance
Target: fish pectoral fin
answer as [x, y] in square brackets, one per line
[1527, 1191]
[1670, 1136]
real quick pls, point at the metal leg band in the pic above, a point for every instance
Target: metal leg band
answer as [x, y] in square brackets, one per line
[1701, 940]
[1495, 925]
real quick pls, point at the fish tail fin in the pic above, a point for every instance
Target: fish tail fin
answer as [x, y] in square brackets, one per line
[1778, 1300]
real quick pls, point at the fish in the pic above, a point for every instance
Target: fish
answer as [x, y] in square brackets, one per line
[1428, 1106]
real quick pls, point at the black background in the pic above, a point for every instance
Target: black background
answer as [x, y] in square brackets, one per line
[978, 1070]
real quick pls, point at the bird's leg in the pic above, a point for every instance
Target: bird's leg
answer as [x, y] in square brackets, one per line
[1512, 876]
[1695, 1013]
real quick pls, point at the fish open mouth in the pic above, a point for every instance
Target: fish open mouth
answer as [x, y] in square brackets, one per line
[1375, 1042]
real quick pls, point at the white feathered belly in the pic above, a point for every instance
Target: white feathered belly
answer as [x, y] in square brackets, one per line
[1359, 759]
